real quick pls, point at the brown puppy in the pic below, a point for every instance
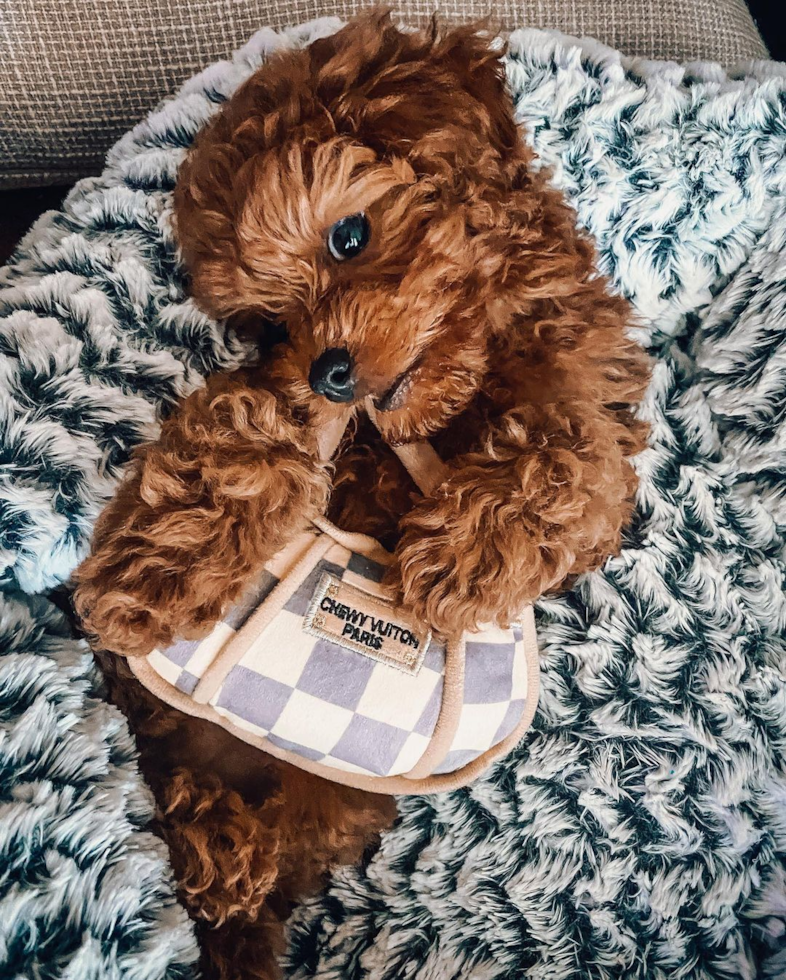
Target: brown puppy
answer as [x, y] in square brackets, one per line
[373, 195]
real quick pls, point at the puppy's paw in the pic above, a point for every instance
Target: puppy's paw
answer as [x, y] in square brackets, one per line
[435, 577]
[461, 565]
[225, 851]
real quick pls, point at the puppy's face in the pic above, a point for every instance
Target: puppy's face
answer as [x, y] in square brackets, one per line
[348, 192]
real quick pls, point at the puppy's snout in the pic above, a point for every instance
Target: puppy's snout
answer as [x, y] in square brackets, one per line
[331, 375]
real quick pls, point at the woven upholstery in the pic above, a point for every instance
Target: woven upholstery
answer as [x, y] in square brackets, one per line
[75, 74]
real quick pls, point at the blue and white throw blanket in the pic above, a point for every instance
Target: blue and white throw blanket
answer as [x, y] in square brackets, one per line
[640, 829]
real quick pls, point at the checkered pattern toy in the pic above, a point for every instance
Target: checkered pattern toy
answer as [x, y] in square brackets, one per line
[316, 666]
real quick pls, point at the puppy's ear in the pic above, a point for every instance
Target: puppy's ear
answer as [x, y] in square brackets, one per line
[358, 49]
[433, 98]
[471, 57]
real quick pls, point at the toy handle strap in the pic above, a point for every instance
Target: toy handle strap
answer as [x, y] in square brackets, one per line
[329, 436]
[423, 464]
[419, 459]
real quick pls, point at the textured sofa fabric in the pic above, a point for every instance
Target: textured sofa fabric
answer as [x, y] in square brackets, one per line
[75, 74]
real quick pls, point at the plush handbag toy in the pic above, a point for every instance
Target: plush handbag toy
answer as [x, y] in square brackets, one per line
[317, 667]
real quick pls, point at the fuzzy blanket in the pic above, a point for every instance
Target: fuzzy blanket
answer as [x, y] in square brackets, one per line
[640, 829]
[85, 890]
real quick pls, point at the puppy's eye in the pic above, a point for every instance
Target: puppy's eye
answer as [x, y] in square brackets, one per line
[259, 328]
[348, 237]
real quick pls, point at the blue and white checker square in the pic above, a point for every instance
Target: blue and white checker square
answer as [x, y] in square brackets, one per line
[495, 695]
[336, 706]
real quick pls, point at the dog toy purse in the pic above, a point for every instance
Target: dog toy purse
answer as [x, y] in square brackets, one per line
[319, 668]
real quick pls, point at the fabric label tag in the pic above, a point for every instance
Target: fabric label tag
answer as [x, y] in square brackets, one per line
[357, 621]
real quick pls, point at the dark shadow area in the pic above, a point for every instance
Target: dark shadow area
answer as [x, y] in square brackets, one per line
[20, 208]
[770, 17]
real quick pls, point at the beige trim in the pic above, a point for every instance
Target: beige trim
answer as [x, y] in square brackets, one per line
[419, 459]
[330, 435]
[233, 652]
[449, 713]
[392, 785]
[362, 543]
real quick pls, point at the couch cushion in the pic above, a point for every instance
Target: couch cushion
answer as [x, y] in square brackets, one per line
[75, 74]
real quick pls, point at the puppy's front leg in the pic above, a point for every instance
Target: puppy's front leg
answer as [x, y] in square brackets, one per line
[545, 499]
[233, 476]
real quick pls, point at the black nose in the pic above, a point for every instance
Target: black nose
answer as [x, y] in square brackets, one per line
[331, 375]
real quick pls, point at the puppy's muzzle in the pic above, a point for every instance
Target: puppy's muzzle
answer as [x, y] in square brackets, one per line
[331, 375]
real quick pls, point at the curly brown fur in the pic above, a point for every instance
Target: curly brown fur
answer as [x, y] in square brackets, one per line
[476, 281]
[249, 836]
[233, 476]
[474, 317]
